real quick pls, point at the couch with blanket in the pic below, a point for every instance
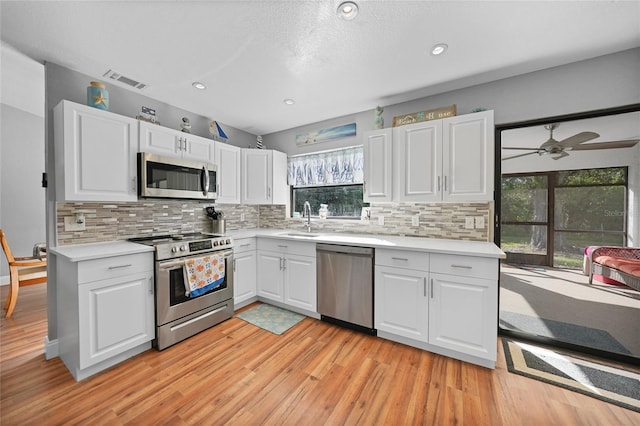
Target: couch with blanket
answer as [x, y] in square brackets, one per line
[621, 264]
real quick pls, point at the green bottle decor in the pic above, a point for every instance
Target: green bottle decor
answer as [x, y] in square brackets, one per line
[97, 96]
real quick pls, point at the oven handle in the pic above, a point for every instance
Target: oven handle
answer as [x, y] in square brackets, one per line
[228, 254]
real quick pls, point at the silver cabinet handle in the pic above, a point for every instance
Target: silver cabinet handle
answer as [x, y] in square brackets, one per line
[438, 183]
[462, 266]
[400, 258]
[445, 184]
[120, 266]
[134, 184]
[424, 284]
[269, 192]
[284, 263]
[281, 259]
[245, 245]
[234, 265]
[150, 285]
[432, 288]
[282, 246]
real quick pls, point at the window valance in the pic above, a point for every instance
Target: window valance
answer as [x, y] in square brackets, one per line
[337, 167]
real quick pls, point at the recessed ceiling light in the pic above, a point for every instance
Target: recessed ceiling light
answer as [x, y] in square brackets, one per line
[439, 49]
[198, 85]
[347, 10]
[289, 101]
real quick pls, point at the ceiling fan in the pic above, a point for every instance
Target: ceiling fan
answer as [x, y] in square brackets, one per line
[558, 149]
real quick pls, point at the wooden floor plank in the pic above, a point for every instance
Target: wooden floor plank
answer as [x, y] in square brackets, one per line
[314, 374]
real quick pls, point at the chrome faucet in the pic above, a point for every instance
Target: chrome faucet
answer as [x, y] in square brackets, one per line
[306, 210]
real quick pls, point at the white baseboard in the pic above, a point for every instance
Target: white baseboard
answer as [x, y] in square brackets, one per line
[50, 348]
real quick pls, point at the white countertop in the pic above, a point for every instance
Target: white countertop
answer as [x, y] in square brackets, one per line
[80, 252]
[432, 245]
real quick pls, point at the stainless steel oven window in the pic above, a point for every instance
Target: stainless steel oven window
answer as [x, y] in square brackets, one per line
[170, 282]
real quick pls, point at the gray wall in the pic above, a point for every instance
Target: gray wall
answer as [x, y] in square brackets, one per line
[22, 198]
[602, 82]
[22, 153]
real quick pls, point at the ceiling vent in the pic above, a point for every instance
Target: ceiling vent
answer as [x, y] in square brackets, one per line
[125, 80]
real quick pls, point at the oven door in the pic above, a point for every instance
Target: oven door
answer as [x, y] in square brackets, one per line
[166, 177]
[171, 301]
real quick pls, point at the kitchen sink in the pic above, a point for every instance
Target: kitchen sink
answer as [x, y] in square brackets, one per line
[301, 234]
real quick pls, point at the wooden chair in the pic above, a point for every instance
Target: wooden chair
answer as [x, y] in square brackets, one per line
[22, 271]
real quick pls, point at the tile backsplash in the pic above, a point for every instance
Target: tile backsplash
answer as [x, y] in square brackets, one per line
[120, 221]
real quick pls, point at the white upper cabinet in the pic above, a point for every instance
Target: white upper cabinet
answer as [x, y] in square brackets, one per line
[228, 160]
[174, 143]
[468, 157]
[378, 166]
[264, 177]
[418, 162]
[445, 160]
[95, 154]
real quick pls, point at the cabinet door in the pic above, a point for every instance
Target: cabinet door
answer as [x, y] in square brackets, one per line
[463, 314]
[257, 175]
[98, 150]
[115, 315]
[270, 275]
[160, 140]
[418, 165]
[197, 148]
[378, 158]
[228, 158]
[244, 278]
[401, 302]
[468, 157]
[300, 282]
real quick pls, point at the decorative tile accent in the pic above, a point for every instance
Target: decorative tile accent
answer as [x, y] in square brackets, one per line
[120, 221]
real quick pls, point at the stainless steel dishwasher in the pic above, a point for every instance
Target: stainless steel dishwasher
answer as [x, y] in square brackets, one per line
[345, 286]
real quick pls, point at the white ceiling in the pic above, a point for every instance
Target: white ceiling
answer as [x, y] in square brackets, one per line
[254, 54]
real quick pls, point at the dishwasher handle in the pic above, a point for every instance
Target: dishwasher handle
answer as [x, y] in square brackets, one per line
[334, 248]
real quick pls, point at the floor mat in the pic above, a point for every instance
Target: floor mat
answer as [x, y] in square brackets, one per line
[271, 318]
[565, 332]
[615, 385]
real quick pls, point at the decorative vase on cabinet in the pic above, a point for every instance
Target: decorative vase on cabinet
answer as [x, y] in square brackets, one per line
[98, 96]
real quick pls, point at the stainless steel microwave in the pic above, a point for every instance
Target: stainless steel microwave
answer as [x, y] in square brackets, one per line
[167, 177]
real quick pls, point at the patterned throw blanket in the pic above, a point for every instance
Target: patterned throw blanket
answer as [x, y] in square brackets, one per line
[202, 274]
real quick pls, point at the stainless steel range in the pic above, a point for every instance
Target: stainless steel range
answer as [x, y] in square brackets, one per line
[178, 315]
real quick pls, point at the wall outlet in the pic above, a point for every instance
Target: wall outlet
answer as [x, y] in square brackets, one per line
[241, 217]
[479, 222]
[415, 220]
[74, 223]
[380, 220]
[468, 222]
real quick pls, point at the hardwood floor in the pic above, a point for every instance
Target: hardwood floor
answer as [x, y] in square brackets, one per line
[314, 374]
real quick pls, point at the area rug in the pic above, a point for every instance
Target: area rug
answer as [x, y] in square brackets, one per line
[615, 385]
[271, 318]
[562, 331]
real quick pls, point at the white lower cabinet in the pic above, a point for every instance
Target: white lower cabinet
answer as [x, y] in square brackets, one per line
[244, 272]
[105, 311]
[401, 303]
[287, 273]
[441, 303]
[463, 315]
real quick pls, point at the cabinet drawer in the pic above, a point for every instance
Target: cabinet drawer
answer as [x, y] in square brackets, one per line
[115, 266]
[403, 259]
[287, 246]
[244, 245]
[465, 266]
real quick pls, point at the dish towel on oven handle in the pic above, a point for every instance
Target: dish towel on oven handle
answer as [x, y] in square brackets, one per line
[202, 274]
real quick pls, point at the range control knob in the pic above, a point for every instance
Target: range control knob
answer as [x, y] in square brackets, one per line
[183, 248]
[174, 249]
[215, 243]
